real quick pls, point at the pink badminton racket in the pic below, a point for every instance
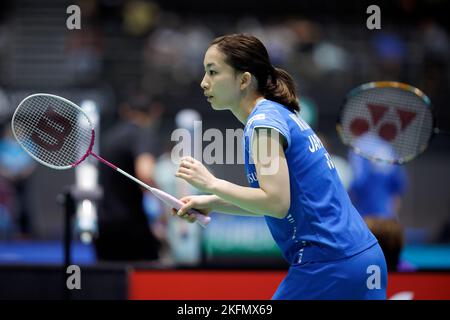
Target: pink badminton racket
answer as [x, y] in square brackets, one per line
[59, 134]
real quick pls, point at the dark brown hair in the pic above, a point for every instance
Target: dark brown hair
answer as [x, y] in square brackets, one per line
[246, 53]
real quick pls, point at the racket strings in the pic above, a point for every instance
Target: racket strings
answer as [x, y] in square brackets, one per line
[397, 116]
[52, 130]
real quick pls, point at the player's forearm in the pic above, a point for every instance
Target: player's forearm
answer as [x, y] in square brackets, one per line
[220, 205]
[253, 200]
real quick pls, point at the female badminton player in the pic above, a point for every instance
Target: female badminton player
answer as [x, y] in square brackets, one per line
[294, 185]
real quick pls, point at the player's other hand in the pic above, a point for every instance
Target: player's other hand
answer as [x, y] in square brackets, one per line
[202, 204]
[196, 174]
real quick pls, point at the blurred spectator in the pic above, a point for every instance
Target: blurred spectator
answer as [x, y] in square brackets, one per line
[173, 56]
[139, 17]
[308, 36]
[316, 59]
[279, 39]
[436, 46]
[330, 58]
[124, 230]
[7, 226]
[377, 187]
[15, 168]
[376, 190]
[84, 51]
[436, 42]
[390, 54]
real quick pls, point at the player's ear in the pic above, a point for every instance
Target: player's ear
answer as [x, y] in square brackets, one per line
[246, 80]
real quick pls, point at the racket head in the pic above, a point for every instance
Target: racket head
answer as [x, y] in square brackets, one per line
[53, 130]
[386, 121]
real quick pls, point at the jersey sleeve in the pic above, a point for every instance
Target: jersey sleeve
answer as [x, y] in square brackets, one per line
[272, 119]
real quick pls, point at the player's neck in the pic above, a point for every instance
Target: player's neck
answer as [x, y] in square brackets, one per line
[246, 106]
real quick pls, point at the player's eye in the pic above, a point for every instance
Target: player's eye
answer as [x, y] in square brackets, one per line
[212, 72]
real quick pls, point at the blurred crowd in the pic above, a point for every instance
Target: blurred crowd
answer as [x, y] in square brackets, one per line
[140, 41]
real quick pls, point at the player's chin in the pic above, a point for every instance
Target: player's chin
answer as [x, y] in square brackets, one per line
[217, 106]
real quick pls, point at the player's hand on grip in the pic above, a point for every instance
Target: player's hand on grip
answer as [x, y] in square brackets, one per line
[202, 204]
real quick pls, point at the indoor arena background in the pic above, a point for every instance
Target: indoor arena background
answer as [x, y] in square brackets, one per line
[158, 46]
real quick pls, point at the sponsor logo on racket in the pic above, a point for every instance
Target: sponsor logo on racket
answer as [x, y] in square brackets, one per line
[53, 125]
[388, 130]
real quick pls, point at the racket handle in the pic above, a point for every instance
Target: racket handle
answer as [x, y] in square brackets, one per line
[165, 197]
[177, 204]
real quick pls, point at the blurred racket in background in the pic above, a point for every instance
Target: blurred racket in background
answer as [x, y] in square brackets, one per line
[389, 112]
[59, 134]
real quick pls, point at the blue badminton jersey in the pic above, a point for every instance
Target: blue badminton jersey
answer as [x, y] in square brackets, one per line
[321, 224]
[376, 184]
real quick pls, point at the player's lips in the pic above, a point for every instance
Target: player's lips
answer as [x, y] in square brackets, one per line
[208, 97]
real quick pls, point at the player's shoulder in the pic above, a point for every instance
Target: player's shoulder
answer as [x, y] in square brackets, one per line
[266, 110]
[269, 106]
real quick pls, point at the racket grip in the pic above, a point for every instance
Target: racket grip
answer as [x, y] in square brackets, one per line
[201, 218]
[170, 200]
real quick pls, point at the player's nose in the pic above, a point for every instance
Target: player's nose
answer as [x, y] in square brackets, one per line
[204, 84]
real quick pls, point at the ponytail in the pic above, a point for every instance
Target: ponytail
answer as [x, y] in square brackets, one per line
[280, 88]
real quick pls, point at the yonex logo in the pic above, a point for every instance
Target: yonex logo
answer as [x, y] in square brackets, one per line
[387, 129]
